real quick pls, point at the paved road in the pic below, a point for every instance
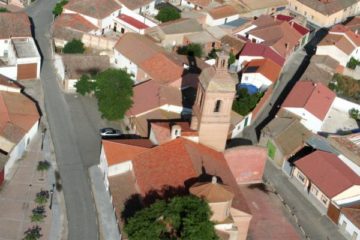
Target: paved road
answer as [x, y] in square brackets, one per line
[315, 225]
[72, 158]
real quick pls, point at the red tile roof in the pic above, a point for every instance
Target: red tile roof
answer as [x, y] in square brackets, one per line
[98, 9]
[222, 11]
[74, 21]
[18, 114]
[132, 21]
[178, 161]
[253, 49]
[353, 214]
[327, 172]
[117, 151]
[162, 130]
[151, 95]
[5, 81]
[266, 67]
[355, 38]
[14, 25]
[301, 29]
[316, 98]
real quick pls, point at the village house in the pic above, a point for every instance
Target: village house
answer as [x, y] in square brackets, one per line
[19, 57]
[275, 137]
[325, 13]
[100, 13]
[252, 51]
[19, 121]
[349, 222]
[323, 176]
[73, 66]
[260, 74]
[144, 60]
[221, 15]
[341, 44]
[353, 24]
[281, 35]
[311, 102]
[196, 4]
[143, 7]
[172, 33]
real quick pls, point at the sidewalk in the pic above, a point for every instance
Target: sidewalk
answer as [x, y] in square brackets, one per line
[315, 225]
[17, 195]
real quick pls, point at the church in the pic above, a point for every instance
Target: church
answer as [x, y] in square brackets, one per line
[190, 157]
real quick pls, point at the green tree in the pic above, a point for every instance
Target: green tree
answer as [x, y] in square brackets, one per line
[74, 46]
[58, 9]
[33, 233]
[114, 93]
[43, 165]
[3, 10]
[85, 85]
[352, 63]
[42, 197]
[167, 14]
[232, 58]
[193, 49]
[181, 218]
[38, 214]
[354, 113]
[246, 102]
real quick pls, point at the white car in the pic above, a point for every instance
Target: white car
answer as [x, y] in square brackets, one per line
[110, 132]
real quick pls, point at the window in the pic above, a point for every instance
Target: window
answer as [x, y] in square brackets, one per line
[217, 106]
[213, 44]
[343, 225]
[226, 20]
[301, 177]
[295, 8]
[6, 41]
[314, 191]
[324, 199]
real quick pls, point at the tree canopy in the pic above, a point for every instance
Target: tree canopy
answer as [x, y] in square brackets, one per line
[167, 14]
[113, 90]
[85, 85]
[193, 49]
[184, 217]
[74, 46]
[245, 102]
[58, 9]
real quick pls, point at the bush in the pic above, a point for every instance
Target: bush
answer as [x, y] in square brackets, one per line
[3, 10]
[38, 214]
[33, 233]
[58, 9]
[42, 197]
[74, 46]
[167, 14]
[346, 87]
[43, 165]
[354, 113]
[245, 102]
[232, 58]
[352, 63]
[85, 85]
[193, 49]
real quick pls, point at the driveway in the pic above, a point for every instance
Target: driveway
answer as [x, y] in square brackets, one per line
[73, 151]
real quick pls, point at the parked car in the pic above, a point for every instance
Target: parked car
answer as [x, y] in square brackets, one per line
[110, 132]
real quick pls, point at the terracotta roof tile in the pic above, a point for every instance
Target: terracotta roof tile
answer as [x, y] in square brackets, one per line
[314, 97]
[222, 11]
[98, 9]
[327, 172]
[162, 130]
[14, 25]
[74, 21]
[134, 4]
[5, 81]
[266, 67]
[253, 49]
[353, 214]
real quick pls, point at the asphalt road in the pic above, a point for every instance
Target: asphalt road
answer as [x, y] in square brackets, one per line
[74, 151]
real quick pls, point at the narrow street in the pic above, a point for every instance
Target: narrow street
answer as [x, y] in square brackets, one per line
[72, 159]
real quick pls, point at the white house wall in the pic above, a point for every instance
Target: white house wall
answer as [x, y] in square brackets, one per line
[9, 71]
[4, 45]
[241, 125]
[344, 105]
[124, 63]
[307, 119]
[333, 52]
[256, 79]
[104, 168]
[120, 168]
[216, 22]
[242, 59]
[350, 227]
[244, 31]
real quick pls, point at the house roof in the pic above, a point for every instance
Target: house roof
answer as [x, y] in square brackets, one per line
[204, 3]
[151, 95]
[354, 24]
[340, 41]
[300, 28]
[353, 214]
[349, 145]
[182, 25]
[328, 7]
[280, 35]
[162, 130]
[212, 192]
[67, 33]
[314, 97]
[266, 67]
[253, 5]
[135, 4]
[235, 43]
[78, 64]
[253, 49]
[7, 82]
[132, 21]
[18, 114]
[14, 25]
[98, 9]
[118, 151]
[222, 11]
[344, 30]
[321, 69]
[179, 161]
[327, 172]
[150, 57]
[74, 21]
[280, 130]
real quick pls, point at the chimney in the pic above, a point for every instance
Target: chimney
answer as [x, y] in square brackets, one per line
[175, 131]
[214, 180]
[292, 24]
[356, 31]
